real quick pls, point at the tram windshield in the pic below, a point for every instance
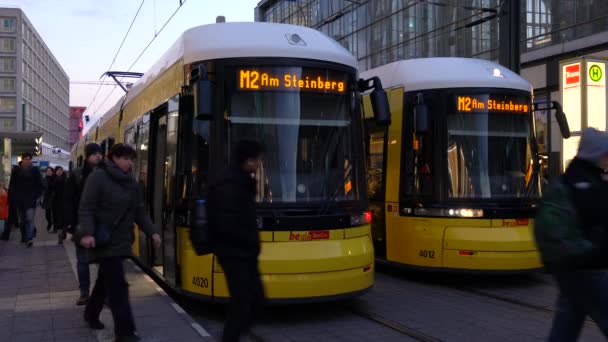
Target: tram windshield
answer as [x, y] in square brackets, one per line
[305, 118]
[490, 148]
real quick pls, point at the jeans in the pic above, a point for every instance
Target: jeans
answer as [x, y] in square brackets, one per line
[582, 293]
[246, 296]
[111, 282]
[26, 217]
[82, 268]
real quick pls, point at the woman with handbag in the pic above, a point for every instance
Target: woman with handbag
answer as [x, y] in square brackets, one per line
[111, 203]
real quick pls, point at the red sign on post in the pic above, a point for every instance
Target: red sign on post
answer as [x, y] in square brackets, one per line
[573, 74]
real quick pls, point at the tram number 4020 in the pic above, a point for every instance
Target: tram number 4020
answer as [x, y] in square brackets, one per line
[427, 254]
[200, 282]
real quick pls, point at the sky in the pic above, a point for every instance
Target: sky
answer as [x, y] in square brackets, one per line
[85, 35]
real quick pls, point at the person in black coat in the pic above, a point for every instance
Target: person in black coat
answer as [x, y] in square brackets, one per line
[71, 201]
[58, 190]
[47, 202]
[25, 188]
[233, 225]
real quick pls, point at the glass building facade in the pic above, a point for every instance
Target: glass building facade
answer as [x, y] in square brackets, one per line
[382, 31]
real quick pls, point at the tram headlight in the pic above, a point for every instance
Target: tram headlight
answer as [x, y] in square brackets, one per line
[453, 212]
[360, 220]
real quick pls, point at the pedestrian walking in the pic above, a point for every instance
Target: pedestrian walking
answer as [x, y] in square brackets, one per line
[112, 202]
[25, 188]
[58, 204]
[47, 201]
[233, 226]
[571, 231]
[71, 200]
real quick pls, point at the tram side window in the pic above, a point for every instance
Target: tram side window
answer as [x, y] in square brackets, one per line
[200, 158]
[422, 146]
[375, 162]
[130, 137]
[142, 153]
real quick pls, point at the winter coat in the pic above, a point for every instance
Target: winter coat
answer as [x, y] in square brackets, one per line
[48, 182]
[571, 227]
[25, 187]
[108, 194]
[3, 204]
[72, 193]
[232, 215]
[58, 195]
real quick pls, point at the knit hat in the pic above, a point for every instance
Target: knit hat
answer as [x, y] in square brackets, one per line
[90, 149]
[593, 145]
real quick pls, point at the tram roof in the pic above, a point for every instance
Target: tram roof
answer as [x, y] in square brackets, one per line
[242, 39]
[447, 72]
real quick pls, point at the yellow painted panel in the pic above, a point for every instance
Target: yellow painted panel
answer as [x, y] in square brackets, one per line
[312, 235]
[316, 256]
[290, 286]
[266, 236]
[526, 260]
[196, 271]
[395, 135]
[512, 239]
[367, 107]
[413, 240]
[350, 233]
[135, 246]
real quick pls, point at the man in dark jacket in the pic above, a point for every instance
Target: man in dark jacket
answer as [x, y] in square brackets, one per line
[233, 223]
[571, 231]
[71, 201]
[24, 190]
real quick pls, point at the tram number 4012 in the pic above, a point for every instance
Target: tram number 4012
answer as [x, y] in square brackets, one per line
[200, 282]
[427, 254]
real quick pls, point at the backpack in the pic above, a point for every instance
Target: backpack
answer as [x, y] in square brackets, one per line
[560, 239]
[200, 233]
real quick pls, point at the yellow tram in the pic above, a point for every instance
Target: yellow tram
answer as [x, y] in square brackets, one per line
[295, 90]
[454, 181]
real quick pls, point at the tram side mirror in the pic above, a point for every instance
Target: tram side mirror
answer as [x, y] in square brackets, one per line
[421, 118]
[562, 121]
[204, 92]
[379, 99]
[204, 108]
[382, 112]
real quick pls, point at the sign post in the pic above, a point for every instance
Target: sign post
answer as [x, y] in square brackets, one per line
[583, 97]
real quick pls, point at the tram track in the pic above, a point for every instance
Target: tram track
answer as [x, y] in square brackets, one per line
[509, 300]
[413, 333]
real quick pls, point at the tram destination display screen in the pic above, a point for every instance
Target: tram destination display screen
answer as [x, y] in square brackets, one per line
[483, 103]
[292, 79]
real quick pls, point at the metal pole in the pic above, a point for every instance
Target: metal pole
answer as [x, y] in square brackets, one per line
[509, 36]
[23, 128]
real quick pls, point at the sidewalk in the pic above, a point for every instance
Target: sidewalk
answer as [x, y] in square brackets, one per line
[38, 290]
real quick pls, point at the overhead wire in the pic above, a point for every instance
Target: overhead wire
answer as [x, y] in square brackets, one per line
[144, 50]
[115, 55]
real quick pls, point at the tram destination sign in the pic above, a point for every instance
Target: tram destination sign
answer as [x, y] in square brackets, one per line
[492, 103]
[290, 79]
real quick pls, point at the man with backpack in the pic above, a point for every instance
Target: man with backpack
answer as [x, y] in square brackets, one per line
[71, 199]
[571, 231]
[235, 238]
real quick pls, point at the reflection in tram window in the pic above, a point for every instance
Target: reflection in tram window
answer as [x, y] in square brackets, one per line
[489, 156]
[307, 138]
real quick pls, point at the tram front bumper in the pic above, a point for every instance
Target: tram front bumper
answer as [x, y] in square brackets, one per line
[496, 248]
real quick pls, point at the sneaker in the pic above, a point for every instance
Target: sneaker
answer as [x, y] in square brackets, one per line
[30, 243]
[82, 300]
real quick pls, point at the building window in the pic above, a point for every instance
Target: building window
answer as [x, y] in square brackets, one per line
[8, 25]
[7, 64]
[8, 45]
[7, 84]
[7, 104]
[7, 124]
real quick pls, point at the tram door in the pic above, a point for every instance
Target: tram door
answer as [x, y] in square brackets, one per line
[162, 186]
